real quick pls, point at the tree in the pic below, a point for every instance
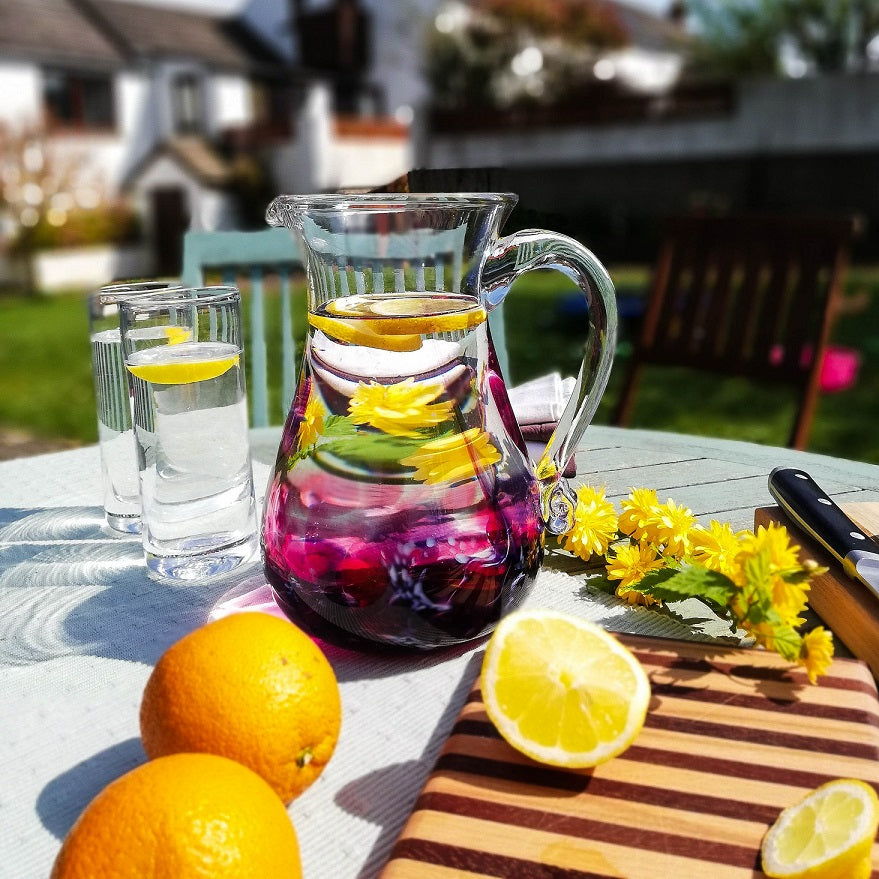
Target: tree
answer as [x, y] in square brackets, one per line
[498, 53]
[778, 37]
[49, 199]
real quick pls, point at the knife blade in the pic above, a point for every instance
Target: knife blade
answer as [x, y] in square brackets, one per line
[807, 505]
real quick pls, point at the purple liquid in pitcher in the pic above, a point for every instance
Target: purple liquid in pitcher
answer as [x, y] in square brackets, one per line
[403, 510]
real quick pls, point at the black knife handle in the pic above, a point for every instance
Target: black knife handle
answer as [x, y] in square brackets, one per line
[804, 501]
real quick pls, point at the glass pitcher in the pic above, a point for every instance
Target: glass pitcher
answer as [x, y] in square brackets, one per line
[403, 510]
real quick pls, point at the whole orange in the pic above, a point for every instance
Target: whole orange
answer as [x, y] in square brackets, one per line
[251, 687]
[186, 815]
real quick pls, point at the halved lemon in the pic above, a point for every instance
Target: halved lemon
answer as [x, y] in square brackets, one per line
[829, 834]
[562, 690]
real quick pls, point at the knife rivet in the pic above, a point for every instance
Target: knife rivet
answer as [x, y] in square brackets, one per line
[857, 535]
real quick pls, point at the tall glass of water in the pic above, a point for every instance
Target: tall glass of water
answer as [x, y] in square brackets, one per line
[183, 351]
[114, 406]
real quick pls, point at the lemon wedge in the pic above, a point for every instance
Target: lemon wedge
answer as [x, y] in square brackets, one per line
[183, 363]
[827, 835]
[562, 690]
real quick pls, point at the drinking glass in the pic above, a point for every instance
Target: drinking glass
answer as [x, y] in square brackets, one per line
[183, 351]
[119, 476]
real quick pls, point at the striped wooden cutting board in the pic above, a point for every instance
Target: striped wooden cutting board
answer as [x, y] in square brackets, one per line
[732, 737]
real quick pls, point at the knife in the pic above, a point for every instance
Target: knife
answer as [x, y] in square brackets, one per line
[807, 505]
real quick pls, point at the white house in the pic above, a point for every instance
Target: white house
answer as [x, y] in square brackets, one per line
[161, 104]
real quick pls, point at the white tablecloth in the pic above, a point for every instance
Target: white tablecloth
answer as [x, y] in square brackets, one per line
[81, 625]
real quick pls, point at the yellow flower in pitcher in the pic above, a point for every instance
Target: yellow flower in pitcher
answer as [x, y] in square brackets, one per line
[816, 653]
[595, 524]
[453, 458]
[717, 548]
[630, 564]
[312, 424]
[401, 409]
[639, 510]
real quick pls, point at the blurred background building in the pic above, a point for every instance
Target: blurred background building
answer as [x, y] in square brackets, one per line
[122, 123]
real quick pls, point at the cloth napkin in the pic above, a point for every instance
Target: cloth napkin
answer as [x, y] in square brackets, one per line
[538, 405]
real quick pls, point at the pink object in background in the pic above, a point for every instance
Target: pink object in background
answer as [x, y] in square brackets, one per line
[839, 369]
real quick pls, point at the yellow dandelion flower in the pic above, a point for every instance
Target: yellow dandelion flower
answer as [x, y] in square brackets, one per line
[670, 527]
[631, 563]
[639, 508]
[312, 424]
[595, 524]
[634, 597]
[764, 633]
[717, 548]
[783, 555]
[400, 409]
[452, 458]
[789, 599]
[816, 653]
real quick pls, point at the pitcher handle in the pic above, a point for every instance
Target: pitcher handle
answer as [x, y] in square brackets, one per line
[531, 249]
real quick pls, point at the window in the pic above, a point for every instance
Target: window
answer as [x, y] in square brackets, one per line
[187, 104]
[78, 100]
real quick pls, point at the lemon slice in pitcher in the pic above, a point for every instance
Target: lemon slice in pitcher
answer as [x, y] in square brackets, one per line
[360, 332]
[183, 363]
[407, 315]
[562, 690]
[827, 835]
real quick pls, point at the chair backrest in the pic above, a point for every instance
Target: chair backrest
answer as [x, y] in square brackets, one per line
[253, 255]
[749, 296]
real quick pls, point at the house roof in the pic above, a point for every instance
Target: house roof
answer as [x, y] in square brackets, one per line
[54, 31]
[106, 33]
[151, 31]
[194, 155]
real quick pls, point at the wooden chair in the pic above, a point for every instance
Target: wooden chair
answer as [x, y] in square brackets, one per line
[749, 296]
[253, 255]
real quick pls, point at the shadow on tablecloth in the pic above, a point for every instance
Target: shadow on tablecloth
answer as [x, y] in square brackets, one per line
[71, 586]
[63, 799]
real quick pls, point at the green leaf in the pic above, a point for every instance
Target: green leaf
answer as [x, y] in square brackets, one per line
[795, 575]
[689, 581]
[787, 642]
[375, 449]
[338, 425]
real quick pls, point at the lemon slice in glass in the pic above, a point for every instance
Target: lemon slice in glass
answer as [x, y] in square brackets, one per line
[562, 690]
[184, 363]
[177, 335]
[827, 835]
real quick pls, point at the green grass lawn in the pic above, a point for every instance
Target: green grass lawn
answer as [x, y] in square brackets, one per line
[46, 385]
[708, 405]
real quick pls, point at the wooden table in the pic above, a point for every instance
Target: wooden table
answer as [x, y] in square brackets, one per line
[81, 625]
